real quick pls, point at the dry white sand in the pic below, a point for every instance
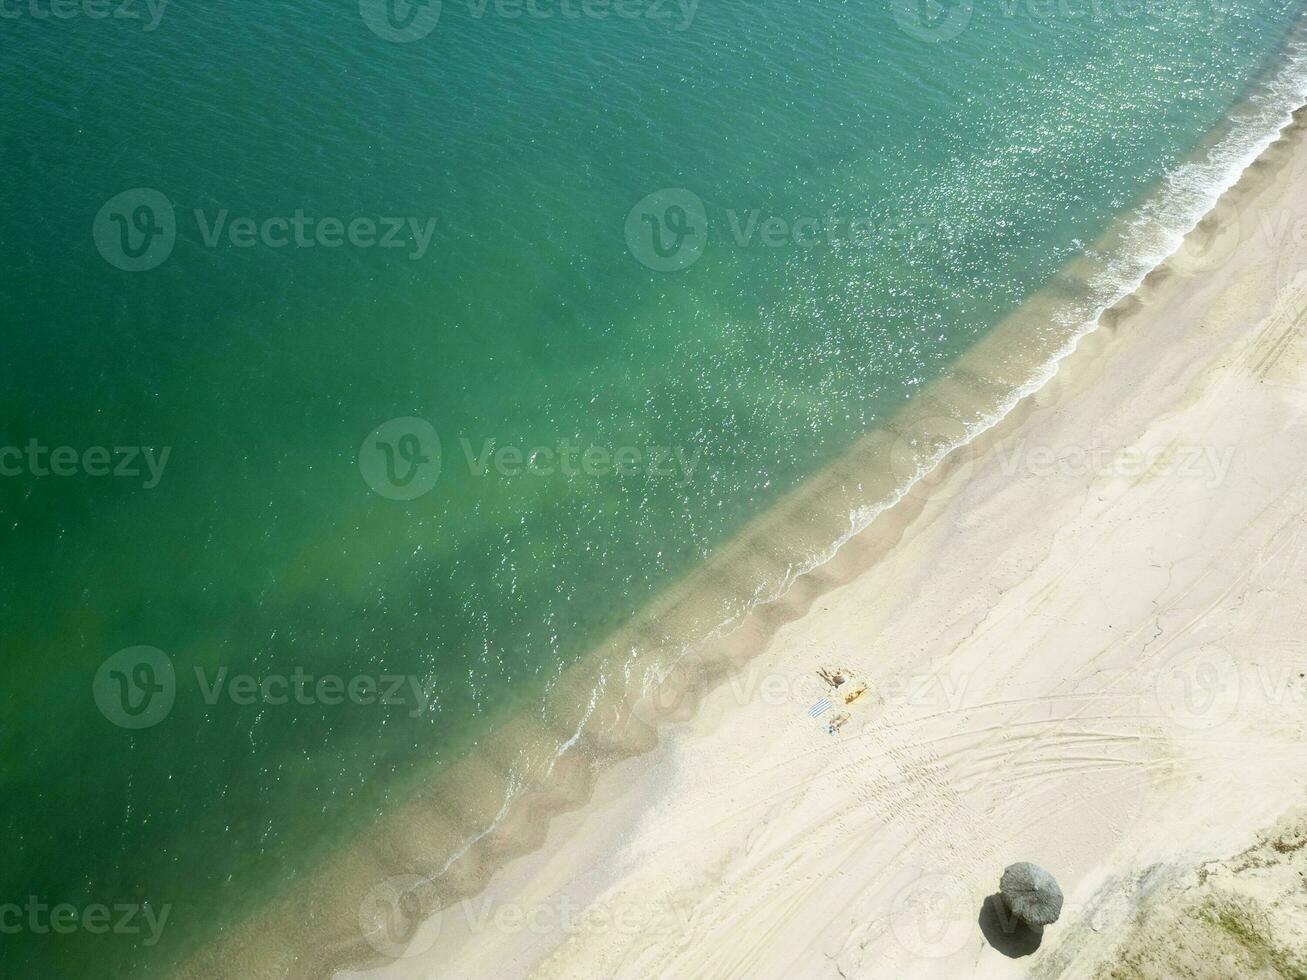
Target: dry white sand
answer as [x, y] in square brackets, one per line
[1087, 649]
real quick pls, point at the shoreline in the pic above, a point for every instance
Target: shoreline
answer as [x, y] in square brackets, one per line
[849, 839]
[465, 845]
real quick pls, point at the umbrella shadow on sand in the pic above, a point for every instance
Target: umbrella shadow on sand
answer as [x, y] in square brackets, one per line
[1009, 935]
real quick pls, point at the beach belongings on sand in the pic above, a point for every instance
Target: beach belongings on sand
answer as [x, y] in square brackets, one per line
[837, 722]
[835, 678]
[1031, 893]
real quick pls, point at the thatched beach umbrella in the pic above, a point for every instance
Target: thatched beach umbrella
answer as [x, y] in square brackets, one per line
[1031, 893]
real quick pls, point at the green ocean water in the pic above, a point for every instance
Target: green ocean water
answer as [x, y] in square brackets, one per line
[668, 260]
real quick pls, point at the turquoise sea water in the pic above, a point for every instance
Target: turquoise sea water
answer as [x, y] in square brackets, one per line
[692, 252]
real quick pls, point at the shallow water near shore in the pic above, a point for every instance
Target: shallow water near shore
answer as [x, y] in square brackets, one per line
[337, 634]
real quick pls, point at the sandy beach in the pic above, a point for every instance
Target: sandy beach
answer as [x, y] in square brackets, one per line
[1083, 642]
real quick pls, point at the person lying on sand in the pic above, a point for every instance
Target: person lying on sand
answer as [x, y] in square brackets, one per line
[834, 677]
